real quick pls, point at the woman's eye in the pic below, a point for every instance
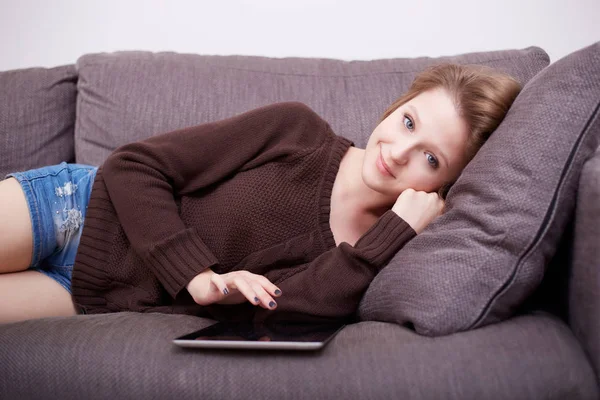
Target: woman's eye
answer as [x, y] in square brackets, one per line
[408, 123]
[432, 161]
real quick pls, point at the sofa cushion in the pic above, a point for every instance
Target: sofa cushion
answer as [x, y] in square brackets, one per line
[479, 261]
[130, 356]
[37, 117]
[128, 96]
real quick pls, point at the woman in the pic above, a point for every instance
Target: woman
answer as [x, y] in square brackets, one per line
[268, 213]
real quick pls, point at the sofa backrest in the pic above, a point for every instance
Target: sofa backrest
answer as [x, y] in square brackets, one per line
[128, 96]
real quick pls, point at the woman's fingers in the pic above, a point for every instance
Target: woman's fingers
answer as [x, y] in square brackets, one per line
[251, 286]
[266, 300]
[268, 286]
[220, 283]
[245, 288]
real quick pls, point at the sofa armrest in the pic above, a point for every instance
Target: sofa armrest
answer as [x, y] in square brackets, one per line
[584, 283]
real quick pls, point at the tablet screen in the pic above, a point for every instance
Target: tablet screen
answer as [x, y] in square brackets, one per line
[283, 335]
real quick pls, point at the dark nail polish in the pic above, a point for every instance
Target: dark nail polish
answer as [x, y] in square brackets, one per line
[256, 299]
[272, 304]
[277, 292]
[225, 291]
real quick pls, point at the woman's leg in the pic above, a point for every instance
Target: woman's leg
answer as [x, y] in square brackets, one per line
[31, 294]
[16, 240]
[24, 294]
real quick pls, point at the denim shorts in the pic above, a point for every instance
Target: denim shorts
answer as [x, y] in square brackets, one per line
[57, 197]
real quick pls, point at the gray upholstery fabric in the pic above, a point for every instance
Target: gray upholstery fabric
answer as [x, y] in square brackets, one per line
[37, 117]
[584, 284]
[127, 96]
[480, 260]
[130, 356]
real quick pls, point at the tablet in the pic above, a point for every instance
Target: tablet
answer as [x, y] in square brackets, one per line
[273, 336]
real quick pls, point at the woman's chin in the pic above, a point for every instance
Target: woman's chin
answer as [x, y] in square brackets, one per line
[381, 187]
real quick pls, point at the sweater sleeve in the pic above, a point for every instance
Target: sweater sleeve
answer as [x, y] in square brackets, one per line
[331, 286]
[144, 178]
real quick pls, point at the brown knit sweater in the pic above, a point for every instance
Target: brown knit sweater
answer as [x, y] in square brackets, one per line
[249, 192]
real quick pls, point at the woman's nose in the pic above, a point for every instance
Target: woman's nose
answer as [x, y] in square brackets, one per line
[400, 153]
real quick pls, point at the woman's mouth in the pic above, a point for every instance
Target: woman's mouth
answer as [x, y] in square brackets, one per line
[382, 166]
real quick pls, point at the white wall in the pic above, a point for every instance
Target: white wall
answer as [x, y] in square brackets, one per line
[55, 32]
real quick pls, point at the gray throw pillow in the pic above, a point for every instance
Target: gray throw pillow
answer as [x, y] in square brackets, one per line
[37, 117]
[479, 261]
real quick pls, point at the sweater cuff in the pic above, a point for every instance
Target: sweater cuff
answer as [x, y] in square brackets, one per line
[384, 239]
[179, 258]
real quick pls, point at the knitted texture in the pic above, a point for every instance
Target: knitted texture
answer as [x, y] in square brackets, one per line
[250, 192]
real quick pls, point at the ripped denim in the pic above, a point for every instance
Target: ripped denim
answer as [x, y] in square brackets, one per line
[57, 198]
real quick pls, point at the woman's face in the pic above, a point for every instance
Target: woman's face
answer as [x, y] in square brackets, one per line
[420, 146]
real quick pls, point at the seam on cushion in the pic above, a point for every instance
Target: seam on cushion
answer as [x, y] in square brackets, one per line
[548, 219]
[383, 73]
[536, 55]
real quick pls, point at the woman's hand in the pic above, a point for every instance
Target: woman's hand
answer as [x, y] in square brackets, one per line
[418, 209]
[235, 287]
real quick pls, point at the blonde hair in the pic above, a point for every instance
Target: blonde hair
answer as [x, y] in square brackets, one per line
[481, 95]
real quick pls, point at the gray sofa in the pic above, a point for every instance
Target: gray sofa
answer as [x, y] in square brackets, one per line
[420, 333]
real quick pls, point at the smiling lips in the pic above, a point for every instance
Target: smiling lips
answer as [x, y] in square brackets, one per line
[382, 166]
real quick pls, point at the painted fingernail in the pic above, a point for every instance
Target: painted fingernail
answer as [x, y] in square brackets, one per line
[272, 304]
[256, 299]
[225, 291]
[277, 292]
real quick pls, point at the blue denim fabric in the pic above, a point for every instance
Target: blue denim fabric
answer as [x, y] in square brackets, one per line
[57, 197]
